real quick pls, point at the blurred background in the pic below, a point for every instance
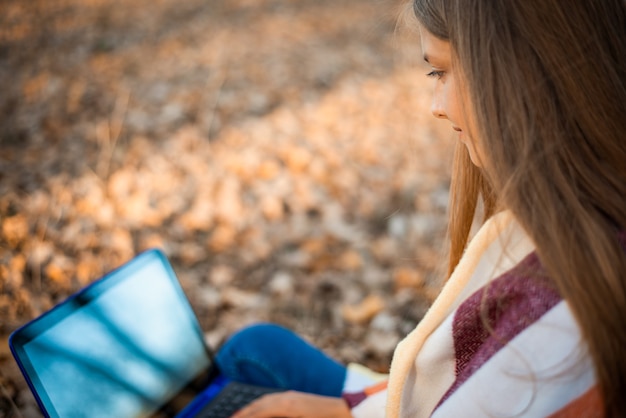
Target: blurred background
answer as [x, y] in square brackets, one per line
[281, 152]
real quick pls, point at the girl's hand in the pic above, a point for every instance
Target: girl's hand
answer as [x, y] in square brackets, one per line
[293, 404]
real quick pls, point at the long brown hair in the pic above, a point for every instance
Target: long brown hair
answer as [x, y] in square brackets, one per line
[547, 87]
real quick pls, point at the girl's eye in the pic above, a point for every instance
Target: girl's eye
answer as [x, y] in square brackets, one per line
[435, 74]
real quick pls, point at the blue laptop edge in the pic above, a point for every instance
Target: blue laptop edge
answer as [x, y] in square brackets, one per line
[27, 333]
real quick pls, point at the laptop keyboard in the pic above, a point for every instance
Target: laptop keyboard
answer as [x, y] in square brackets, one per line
[232, 398]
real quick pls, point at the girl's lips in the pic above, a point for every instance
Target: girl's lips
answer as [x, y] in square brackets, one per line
[460, 132]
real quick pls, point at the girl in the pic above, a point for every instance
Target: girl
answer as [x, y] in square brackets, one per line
[531, 321]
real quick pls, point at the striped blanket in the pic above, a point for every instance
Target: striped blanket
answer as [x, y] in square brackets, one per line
[498, 341]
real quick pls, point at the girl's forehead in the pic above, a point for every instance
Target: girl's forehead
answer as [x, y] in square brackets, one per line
[436, 51]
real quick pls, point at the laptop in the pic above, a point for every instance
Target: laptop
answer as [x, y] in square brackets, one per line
[128, 345]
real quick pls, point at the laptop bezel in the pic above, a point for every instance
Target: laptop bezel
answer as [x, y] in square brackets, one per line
[32, 329]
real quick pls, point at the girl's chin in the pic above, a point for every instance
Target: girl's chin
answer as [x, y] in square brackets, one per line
[472, 154]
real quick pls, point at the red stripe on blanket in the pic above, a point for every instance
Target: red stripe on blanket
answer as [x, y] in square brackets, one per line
[498, 312]
[353, 399]
[588, 405]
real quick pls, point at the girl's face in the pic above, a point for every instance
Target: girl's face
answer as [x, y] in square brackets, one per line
[450, 98]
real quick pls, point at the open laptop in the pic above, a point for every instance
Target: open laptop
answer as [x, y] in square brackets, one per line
[128, 345]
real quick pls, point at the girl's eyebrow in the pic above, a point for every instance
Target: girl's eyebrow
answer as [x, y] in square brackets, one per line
[426, 58]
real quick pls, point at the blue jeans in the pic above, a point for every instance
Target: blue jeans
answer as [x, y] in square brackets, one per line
[272, 356]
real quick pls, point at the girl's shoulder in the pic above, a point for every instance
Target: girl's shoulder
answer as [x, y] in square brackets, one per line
[518, 349]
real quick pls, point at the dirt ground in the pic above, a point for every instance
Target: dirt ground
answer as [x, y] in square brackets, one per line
[281, 152]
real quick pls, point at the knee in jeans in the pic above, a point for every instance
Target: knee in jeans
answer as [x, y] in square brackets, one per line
[253, 335]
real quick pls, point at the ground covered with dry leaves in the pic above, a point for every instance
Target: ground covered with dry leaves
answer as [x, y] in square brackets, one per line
[281, 152]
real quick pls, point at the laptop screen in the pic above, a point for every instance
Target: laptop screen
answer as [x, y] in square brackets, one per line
[120, 348]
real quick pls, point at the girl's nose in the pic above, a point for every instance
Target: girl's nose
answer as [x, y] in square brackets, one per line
[437, 110]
